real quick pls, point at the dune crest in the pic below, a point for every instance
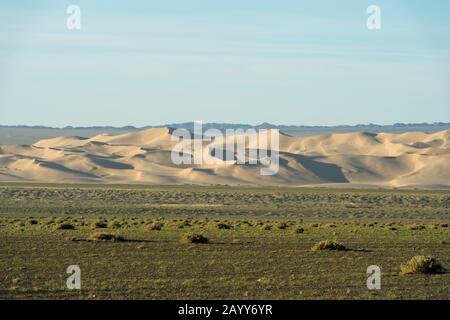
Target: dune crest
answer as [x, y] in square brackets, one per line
[412, 159]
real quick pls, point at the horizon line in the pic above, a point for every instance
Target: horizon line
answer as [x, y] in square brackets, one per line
[224, 123]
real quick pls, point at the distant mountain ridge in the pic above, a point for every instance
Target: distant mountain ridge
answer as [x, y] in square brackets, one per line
[219, 125]
[23, 134]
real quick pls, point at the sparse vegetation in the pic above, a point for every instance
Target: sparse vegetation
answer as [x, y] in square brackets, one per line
[421, 264]
[116, 225]
[193, 238]
[99, 225]
[102, 236]
[417, 227]
[299, 230]
[328, 245]
[155, 226]
[282, 226]
[247, 261]
[223, 226]
[184, 224]
[65, 226]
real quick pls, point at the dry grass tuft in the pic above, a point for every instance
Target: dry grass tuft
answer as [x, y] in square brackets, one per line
[193, 238]
[65, 226]
[156, 226]
[102, 236]
[328, 245]
[421, 264]
[223, 226]
[99, 225]
[417, 227]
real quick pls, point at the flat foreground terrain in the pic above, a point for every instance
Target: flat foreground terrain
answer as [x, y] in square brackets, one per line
[259, 245]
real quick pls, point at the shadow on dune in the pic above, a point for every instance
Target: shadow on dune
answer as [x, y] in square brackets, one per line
[61, 168]
[326, 171]
[109, 164]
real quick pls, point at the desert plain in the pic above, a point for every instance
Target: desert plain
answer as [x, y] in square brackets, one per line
[140, 227]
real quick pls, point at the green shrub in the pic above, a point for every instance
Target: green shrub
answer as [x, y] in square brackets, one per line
[101, 236]
[65, 226]
[282, 226]
[417, 227]
[328, 245]
[116, 225]
[155, 226]
[99, 225]
[183, 224]
[421, 264]
[223, 226]
[193, 238]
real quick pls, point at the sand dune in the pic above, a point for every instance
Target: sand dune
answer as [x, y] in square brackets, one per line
[412, 159]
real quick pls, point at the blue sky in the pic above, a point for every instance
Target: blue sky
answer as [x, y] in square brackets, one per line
[248, 61]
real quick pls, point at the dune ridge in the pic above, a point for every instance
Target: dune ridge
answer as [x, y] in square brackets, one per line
[412, 159]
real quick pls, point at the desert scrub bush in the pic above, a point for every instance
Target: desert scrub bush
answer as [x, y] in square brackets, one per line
[282, 226]
[247, 223]
[223, 226]
[48, 223]
[65, 226]
[299, 230]
[193, 238]
[33, 221]
[417, 227]
[421, 264]
[116, 225]
[156, 226]
[184, 224]
[99, 225]
[328, 245]
[102, 236]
